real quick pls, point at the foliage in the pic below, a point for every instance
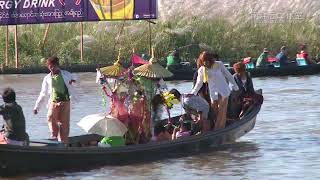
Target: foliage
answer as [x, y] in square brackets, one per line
[102, 40]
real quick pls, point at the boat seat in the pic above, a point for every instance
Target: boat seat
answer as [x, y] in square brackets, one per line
[276, 64]
[250, 65]
[301, 62]
[46, 142]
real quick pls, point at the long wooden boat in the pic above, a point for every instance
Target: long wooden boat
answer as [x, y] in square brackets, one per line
[50, 156]
[187, 73]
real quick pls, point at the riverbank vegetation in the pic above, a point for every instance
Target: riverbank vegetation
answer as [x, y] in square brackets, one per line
[102, 40]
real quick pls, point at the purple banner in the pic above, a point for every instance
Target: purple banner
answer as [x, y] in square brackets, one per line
[15, 12]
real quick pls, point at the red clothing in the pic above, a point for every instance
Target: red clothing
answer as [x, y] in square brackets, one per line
[304, 55]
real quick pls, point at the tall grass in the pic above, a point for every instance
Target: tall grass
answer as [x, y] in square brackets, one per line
[102, 40]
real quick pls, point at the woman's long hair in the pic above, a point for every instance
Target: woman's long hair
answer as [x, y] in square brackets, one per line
[240, 68]
[206, 56]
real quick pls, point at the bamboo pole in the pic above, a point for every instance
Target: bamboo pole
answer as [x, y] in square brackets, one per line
[7, 46]
[150, 32]
[81, 42]
[45, 36]
[16, 46]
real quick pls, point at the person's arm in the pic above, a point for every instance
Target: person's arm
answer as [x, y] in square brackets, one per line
[199, 82]
[228, 76]
[42, 96]
[72, 78]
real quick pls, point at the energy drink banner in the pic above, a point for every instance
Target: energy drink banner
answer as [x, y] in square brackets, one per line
[15, 12]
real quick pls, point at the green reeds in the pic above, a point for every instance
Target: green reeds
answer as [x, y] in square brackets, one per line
[102, 40]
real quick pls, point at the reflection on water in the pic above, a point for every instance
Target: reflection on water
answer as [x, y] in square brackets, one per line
[285, 143]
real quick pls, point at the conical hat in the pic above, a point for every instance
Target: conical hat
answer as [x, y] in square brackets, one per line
[115, 70]
[152, 70]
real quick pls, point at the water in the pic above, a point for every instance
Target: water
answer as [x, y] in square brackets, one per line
[284, 144]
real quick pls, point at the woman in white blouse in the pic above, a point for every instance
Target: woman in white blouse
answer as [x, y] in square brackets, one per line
[218, 77]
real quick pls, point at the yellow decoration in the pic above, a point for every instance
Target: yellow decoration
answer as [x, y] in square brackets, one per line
[169, 99]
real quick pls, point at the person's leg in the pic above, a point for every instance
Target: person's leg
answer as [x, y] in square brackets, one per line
[222, 113]
[53, 112]
[204, 113]
[65, 121]
[204, 122]
[214, 109]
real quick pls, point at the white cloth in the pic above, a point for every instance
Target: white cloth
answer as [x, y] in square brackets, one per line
[46, 89]
[218, 81]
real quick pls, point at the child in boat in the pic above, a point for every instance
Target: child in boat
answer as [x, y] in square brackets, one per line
[14, 131]
[195, 105]
[160, 133]
[183, 131]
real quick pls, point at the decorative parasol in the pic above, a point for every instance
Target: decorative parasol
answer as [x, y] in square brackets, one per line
[103, 125]
[152, 69]
[115, 70]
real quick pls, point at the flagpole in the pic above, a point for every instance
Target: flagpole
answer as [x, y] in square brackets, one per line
[16, 46]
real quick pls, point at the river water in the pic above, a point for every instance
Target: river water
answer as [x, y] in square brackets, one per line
[284, 144]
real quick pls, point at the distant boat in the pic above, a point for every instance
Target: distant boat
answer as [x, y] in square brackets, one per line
[46, 156]
[186, 73]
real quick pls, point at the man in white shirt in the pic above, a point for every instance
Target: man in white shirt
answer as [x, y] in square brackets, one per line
[57, 86]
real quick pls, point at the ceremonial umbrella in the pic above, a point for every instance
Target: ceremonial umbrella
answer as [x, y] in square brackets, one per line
[114, 70]
[103, 125]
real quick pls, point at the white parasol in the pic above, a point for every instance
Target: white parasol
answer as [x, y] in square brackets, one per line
[103, 125]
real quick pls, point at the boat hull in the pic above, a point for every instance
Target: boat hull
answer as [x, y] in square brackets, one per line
[15, 160]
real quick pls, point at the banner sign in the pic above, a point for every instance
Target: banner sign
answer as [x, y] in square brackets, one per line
[15, 12]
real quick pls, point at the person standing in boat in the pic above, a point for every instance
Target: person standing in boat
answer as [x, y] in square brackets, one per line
[204, 90]
[217, 76]
[58, 87]
[14, 131]
[262, 60]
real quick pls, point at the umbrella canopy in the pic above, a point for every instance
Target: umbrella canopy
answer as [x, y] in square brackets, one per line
[152, 70]
[103, 125]
[115, 70]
